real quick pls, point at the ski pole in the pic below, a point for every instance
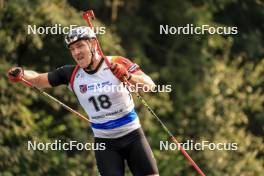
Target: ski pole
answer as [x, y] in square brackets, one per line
[89, 14]
[45, 94]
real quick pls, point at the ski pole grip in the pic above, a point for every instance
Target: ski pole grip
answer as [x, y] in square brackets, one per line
[89, 14]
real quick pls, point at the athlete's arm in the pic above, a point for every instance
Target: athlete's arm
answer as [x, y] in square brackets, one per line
[132, 71]
[140, 79]
[37, 79]
[16, 74]
[54, 78]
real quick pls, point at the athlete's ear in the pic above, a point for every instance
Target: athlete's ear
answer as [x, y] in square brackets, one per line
[93, 44]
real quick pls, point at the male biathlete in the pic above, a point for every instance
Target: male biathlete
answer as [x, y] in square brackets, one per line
[112, 114]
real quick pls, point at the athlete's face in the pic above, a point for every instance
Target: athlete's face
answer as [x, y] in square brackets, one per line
[81, 53]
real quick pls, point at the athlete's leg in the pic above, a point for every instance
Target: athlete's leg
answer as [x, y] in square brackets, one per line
[109, 162]
[140, 158]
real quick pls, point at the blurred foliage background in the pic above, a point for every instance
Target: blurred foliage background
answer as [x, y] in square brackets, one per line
[217, 82]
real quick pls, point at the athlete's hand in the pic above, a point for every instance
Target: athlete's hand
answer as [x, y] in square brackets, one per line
[120, 72]
[15, 74]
